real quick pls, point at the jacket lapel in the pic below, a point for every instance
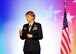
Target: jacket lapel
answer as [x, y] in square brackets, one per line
[32, 27]
[27, 27]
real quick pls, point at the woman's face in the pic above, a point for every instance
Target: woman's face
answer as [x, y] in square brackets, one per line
[29, 18]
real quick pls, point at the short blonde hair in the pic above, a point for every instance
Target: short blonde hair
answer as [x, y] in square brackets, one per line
[30, 13]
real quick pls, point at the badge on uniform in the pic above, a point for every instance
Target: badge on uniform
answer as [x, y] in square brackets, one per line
[25, 28]
[35, 27]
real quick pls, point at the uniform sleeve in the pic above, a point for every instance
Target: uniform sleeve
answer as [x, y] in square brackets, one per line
[23, 36]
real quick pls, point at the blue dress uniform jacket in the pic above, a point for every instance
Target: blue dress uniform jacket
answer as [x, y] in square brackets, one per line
[32, 44]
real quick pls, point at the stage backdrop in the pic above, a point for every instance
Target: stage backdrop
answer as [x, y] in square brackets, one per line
[48, 12]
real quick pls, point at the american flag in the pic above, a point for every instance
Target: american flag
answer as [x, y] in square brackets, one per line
[65, 41]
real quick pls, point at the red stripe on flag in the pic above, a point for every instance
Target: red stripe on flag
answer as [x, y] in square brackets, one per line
[62, 52]
[64, 47]
[67, 34]
[67, 43]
